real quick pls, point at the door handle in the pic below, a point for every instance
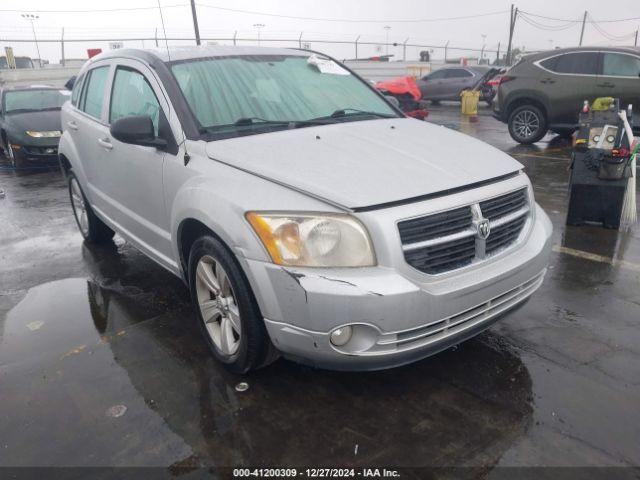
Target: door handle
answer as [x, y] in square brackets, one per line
[72, 125]
[606, 85]
[105, 143]
[547, 80]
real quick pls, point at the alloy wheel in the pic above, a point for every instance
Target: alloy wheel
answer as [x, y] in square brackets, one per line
[526, 124]
[79, 207]
[218, 306]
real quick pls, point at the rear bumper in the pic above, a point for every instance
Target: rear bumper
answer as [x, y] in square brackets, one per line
[395, 319]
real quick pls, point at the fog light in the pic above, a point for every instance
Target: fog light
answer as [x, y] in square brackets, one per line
[340, 336]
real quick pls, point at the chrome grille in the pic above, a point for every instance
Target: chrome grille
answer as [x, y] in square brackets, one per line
[453, 239]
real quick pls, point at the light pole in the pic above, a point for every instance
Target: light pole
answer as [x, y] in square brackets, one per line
[387, 28]
[33, 18]
[259, 26]
[484, 44]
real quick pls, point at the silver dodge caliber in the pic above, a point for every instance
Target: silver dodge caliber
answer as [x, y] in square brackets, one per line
[308, 216]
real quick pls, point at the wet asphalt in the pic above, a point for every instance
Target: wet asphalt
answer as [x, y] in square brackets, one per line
[102, 364]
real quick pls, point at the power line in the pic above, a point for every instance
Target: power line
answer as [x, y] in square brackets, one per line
[98, 10]
[350, 20]
[577, 20]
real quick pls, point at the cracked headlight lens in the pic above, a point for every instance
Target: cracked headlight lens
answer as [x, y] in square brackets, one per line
[49, 134]
[313, 240]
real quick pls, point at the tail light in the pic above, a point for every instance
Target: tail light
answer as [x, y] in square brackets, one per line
[494, 82]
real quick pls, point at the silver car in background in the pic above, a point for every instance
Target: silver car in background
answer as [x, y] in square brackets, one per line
[307, 215]
[447, 83]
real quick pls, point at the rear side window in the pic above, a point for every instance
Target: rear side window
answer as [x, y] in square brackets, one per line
[93, 93]
[437, 75]
[458, 73]
[582, 63]
[620, 65]
[132, 95]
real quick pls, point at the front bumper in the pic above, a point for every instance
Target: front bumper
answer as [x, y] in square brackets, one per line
[396, 319]
[37, 154]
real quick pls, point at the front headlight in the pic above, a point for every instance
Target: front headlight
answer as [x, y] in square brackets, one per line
[49, 134]
[313, 240]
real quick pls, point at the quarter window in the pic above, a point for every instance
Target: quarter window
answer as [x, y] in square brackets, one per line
[77, 88]
[132, 95]
[582, 63]
[93, 95]
[620, 65]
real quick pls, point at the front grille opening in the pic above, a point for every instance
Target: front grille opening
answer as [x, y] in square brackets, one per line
[450, 237]
[504, 205]
[434, 226]
[443, 257]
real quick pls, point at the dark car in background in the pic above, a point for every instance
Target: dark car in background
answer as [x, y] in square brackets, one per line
[447, 83]
[30, 124]
[546, 91]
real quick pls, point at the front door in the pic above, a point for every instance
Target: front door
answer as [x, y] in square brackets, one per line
[133, 174]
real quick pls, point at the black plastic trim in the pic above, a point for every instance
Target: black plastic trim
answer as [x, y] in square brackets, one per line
[441, 193]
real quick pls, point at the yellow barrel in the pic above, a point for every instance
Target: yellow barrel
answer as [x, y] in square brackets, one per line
[470, 99]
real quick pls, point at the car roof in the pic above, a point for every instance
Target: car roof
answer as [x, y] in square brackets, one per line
[559, 51]
[177, 54]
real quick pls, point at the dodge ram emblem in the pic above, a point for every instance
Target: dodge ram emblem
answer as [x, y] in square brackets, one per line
[484, 229]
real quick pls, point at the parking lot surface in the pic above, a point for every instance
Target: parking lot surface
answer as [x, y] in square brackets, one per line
[102, 364]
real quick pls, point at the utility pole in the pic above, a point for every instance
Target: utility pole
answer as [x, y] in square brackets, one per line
[512, 24]
[156, 37]
[584, 20]
[32, 18]
[195, 21]
[498, 53]
[387, 28]
[62, 47]
[259, 26]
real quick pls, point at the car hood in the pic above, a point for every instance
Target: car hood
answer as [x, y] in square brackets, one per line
[364, 163]
[45, 120]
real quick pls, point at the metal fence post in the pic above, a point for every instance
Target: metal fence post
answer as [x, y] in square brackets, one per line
[300, 40]
[446, 45]
[358, 38]
[404, 50]
[62, 47]
[235, 34]
[156, 36]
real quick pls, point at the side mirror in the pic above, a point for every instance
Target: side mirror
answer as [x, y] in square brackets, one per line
[393, 100]
[137, 130]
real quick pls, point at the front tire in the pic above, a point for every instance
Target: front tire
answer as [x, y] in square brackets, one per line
[226, 310]
[527, 124]
[92, 229]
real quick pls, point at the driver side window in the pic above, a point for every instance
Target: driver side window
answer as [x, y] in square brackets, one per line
[132, 95]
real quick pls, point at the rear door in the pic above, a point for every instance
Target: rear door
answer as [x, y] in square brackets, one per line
[458, 79]
[567, 80]
[620, 78]
[87, 127]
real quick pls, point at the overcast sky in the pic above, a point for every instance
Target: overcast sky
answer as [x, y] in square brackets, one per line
[360, 14]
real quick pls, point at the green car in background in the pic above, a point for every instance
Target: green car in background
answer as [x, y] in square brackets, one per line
[30, 124]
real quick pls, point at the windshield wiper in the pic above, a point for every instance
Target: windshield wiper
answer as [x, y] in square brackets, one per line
[248, 121]
[343, 112]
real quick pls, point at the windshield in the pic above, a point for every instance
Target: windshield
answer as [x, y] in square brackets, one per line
[225, 92]
[34, 100]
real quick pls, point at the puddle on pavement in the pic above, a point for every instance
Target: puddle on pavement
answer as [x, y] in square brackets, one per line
[99, 350]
